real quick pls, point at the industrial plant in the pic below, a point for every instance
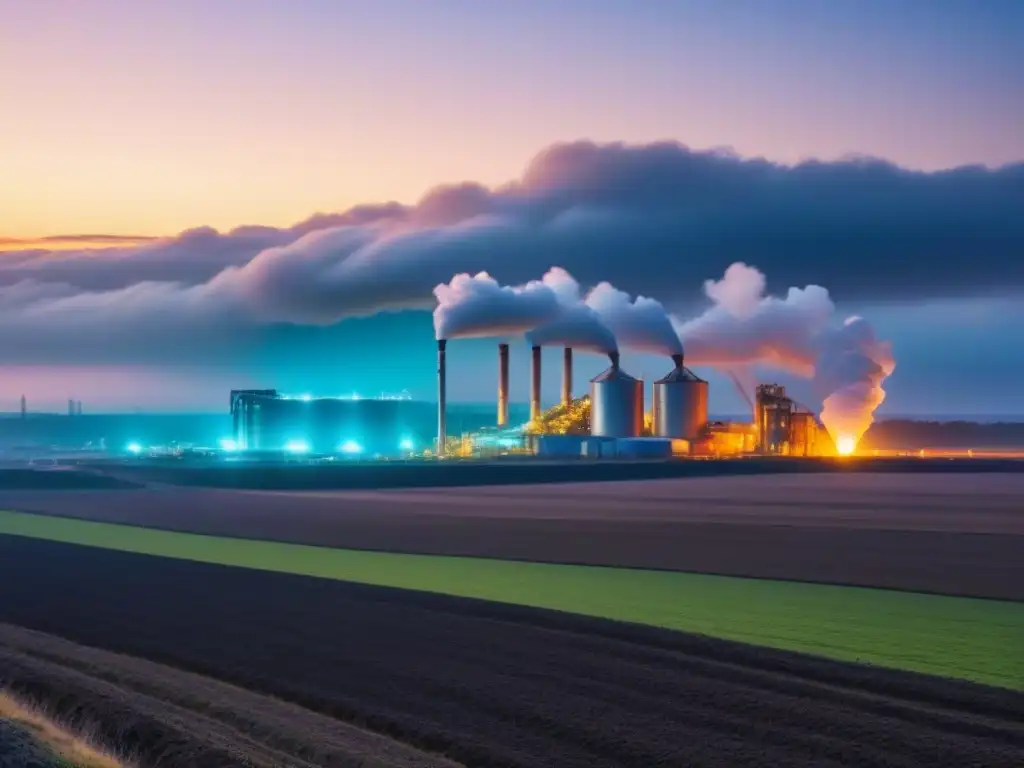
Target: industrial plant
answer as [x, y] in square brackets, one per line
[612, 421]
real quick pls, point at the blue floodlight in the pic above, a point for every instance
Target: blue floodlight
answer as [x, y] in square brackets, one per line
[134, 448]
[305, 398]
[407, 444]
[297, 446]
[228, 445]
[350, 447]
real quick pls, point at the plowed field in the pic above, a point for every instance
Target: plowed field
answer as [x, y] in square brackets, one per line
[957, 534]
[491, 684]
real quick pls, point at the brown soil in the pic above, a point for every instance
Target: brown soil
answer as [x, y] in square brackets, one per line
[955, 534]
[486, 684]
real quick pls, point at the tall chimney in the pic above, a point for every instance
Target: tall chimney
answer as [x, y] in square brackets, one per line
[24, 407]
[678, 360]
[442, 398]
[614, 357]
[535, 385]
[567, 376]
[71, 407]
[502, 385]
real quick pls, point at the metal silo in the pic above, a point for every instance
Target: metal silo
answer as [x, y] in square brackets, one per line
[616, 403]
[680, 403]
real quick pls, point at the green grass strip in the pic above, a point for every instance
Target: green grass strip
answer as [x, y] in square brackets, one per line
[981, 640]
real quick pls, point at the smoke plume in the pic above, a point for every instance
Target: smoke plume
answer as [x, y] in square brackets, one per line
[746, 327]
[850, 370]
[642, 325]
[477, 305]
[577, 325]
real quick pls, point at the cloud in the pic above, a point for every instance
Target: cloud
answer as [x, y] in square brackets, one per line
[653, 220]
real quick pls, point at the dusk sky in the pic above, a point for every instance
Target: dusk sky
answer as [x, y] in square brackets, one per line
[124, 120]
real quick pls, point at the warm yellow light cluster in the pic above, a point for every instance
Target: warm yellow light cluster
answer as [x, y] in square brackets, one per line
[846, 445]
[571, 419]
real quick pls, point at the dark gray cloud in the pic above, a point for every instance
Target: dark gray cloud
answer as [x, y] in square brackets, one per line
[655, 220]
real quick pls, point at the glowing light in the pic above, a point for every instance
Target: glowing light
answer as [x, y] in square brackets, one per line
[297, 446]
[134, 448]
[305, 398]
[350, 447]
[407, 444]
[355, 395]
[227, 444]
[845, 445]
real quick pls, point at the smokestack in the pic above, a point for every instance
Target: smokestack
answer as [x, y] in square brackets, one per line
[442, 397]
[614, 357]
[71, 407]
[78, 408]
[567, 376]
[502, 385]
[678, 360]
[24, 407]
[535, 385]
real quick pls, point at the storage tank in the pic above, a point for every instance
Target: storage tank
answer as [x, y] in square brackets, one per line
[680, 403]
[616, 403]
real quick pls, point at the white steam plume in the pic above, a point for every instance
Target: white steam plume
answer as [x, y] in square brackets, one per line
[849, 373]
[642, 325]
[577, 325]
[477, 305]
[746, 327]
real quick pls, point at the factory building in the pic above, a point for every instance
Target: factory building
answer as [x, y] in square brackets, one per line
[725, 438]
[785, 428]
[264, 420]
[773, 415]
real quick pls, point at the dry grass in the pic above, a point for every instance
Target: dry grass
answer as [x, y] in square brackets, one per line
[67, 745]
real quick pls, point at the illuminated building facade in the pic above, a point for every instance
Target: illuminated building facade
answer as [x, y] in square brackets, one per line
[264, 420]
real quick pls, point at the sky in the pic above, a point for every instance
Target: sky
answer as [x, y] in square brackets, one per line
[125, 121]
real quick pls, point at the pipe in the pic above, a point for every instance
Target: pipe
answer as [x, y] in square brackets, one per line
[442, 398]
[614, 357]
[677, 360]
[535, 385]
[567, 376]
[502, 385]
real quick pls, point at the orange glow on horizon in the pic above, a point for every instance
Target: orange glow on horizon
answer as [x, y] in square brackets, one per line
[71, 243]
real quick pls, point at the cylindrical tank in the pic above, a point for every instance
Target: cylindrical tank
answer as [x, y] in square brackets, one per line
[616, 403]
[680, 403]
